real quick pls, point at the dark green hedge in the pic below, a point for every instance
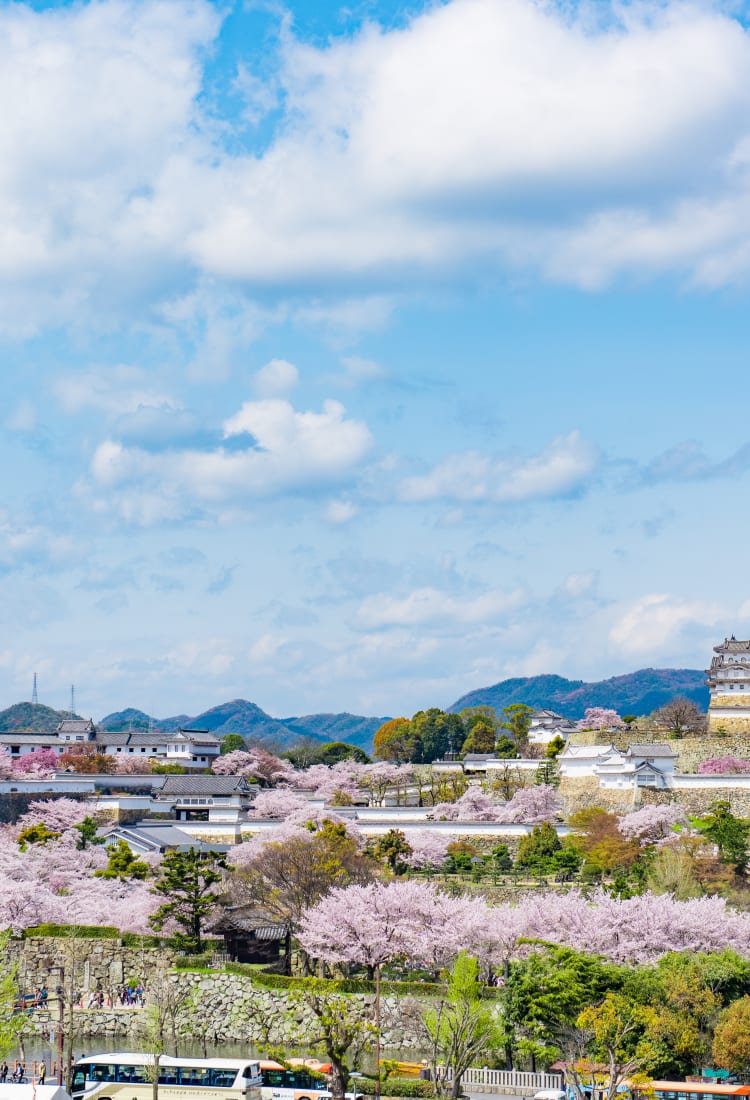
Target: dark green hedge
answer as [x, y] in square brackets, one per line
[82, 931]
[340, 985]
[395, 1086]
[193, 962]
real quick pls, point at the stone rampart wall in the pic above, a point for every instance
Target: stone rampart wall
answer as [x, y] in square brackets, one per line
[89, 964]
[221, 1007]
[691, 751]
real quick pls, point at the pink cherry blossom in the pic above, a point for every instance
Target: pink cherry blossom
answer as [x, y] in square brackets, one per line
[600, 718]
[278, 803]
[651, 824]
[428, 849]
[724, 765]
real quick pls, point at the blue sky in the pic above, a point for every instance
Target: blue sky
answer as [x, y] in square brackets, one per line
[356, 357]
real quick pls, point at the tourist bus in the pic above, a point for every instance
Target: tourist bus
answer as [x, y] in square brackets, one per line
[298, 1080]
[126, 1076]
[689, 1090]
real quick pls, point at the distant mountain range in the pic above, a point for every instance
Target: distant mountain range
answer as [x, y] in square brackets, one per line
[248, 720]
[637, 693]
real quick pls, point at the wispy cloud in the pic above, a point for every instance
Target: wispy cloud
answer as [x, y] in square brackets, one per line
[563, 468]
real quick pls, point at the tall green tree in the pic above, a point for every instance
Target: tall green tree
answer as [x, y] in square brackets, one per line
[729, 833]
[11, 1021]
[232, 742]
[439, 732]
[187, 880]
[462, 1027]
[398, 741]
[517, 720]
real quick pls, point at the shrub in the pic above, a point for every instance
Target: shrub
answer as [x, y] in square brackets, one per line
[82, 931]
[396, 1086]
[193, 962]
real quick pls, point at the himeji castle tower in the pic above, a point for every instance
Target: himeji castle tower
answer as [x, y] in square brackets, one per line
[729, 684]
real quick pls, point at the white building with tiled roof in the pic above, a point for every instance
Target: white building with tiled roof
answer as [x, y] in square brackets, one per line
[729, 686]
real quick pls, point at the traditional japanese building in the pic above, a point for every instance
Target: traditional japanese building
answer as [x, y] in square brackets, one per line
[729, 685]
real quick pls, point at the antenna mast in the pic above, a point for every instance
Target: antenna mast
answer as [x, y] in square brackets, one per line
[34, 693]
[72, 701]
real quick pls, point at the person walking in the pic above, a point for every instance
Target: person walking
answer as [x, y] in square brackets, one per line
[3, 1072]
[41, 1073]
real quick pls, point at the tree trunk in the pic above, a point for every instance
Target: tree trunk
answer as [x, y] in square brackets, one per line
[377, 1032]
[338, 1079]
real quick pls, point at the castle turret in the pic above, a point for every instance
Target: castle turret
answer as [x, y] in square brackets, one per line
[729, 685]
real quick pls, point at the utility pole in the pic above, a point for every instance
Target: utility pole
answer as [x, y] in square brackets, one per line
[60, 991]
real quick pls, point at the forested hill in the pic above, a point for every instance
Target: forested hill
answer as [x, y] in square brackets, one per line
[31, 716]
[636, 693]
[249, 721]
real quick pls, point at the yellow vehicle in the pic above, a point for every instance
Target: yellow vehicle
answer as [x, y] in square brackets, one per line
[127, 1076]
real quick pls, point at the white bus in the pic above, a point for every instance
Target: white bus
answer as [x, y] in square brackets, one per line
[126, 1076]
[297, 1081]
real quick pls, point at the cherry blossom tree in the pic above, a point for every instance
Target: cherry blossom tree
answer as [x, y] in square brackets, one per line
[724, 765]
[428, 849]
[257, 764]
[58, 814]
[600, 718]
[531, 806]
[280, 803]
[652, 824]
[41, 763]
[6, 763]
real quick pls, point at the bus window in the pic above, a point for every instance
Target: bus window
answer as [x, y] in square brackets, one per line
[223, 1078]
[102, 1073]
[195, 1075]
[79, 1081]
[132, 1075]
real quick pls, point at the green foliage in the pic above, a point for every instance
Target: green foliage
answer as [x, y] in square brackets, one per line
[166, 769]
[333, 752]
[506, 748]
[87, 829]
[193, 962]
[728, 832]
[517, 720]
[232, 742]
[123, 864]
[343, 985]
[35, 834]
[555, 747]
[395, 1086]
[391, 848]
[438, 732]
[82, 931]
[547, 774]
[537, 850]
[462, 1027]
[398, 741]
[11, 1022]
[546, 992]
[501, 858]
[481, 738]
[186, 879]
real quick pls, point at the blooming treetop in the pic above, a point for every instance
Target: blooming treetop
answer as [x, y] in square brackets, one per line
[58, 814]
[652, 823]
[724, 765]
[600, 718]
[278, 803]
[254, 764]
[529, 805]
[428, 849]
[54, 882]
[41, 763]
[372, 924]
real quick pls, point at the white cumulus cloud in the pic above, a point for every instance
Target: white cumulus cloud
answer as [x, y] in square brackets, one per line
[288, 451]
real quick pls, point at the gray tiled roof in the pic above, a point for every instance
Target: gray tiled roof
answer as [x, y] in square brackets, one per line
[76, 725]
[203, 785]
[160, 836]
[651, 752]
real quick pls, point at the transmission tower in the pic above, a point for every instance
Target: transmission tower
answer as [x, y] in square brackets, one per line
[34, 693]
[72, 701]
